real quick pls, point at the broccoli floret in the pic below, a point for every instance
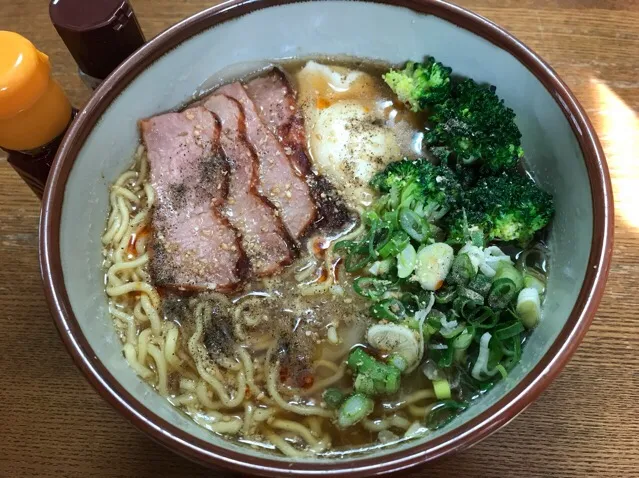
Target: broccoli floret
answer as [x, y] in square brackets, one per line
[508, 207]
[420, 84]
[429, 190]
[474, 126]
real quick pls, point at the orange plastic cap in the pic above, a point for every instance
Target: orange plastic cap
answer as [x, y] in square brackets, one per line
[24, 74]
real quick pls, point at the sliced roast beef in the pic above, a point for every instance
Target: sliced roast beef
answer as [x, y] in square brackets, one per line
[277, 106]
[193, 246]
[266, 242]
[279, 181]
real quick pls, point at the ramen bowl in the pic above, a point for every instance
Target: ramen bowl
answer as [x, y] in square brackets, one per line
[563, 153]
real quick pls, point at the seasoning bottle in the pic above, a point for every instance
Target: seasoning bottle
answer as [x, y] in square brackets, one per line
[100, 34]
[34, 111]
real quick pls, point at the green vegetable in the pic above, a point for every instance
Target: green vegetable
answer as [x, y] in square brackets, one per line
[333, 397]
[463, 340]
[445, 295]
[508, 271]
[397, 361]
[443, 413]
[509, 330]
[442, 389]
[398, 241]
[473, 126]
[502, 293]
[406, 261]
[379, 237]
[373, 377]
[532, 281]
[482, 317]
[354, 409]
[529, 307]
[442, 353]
[427, 190]
[469, 294]
[452, 333]
[508, 207]
[480, 284]
[371, 287]
[358, 256]
[462, 270]
[381, 268]
[388, 309]
[414, 225]
[420, 84]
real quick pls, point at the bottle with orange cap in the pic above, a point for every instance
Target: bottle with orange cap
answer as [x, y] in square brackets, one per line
[34, 111]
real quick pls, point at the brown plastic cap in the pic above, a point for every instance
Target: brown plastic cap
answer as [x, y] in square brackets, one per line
[99, 34]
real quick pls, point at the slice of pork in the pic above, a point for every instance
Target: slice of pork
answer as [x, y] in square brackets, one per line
[193, 247]
[276, 103]
[285, 187]
[264, 239]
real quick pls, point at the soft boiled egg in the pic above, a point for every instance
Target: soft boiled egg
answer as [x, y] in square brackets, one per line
[351, 127]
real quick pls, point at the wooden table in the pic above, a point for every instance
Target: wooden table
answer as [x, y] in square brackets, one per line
[52, 423]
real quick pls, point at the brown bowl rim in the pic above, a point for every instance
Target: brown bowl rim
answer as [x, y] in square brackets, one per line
[462, 437]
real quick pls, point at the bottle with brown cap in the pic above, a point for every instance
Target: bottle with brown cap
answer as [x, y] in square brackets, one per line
[34, 111]
[100, 34]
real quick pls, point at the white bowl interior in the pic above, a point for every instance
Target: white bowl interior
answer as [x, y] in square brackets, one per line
[333, 28]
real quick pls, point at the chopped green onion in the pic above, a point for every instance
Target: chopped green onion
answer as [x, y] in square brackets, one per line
[509, 330]
[533, 282]
[411, 302]
[354, 409]
[358, 256]
[481, 284]
[502, 292]
[443, 413]
[463, 340]
[406, 261]
[452, 333]
[506, 270]
[442, 354]
[389, 309]
[373, 377]
[442, 389]
[529, 307]
[379, 236]
[480, 368]
[398, 362]
[344, 246]
[464, 293]
[380, 268]
[414, 225]
[483, 318]
[396, 244]
[462, 270]
[371, 287]
[333, 397]
[445, 295]
[500, 368]
[512, 355]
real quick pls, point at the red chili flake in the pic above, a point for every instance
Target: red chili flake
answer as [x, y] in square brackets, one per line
[306, 380]
[247, 392]
[283, 374]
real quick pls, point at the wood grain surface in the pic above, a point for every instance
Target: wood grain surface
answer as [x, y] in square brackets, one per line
[52, 423]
